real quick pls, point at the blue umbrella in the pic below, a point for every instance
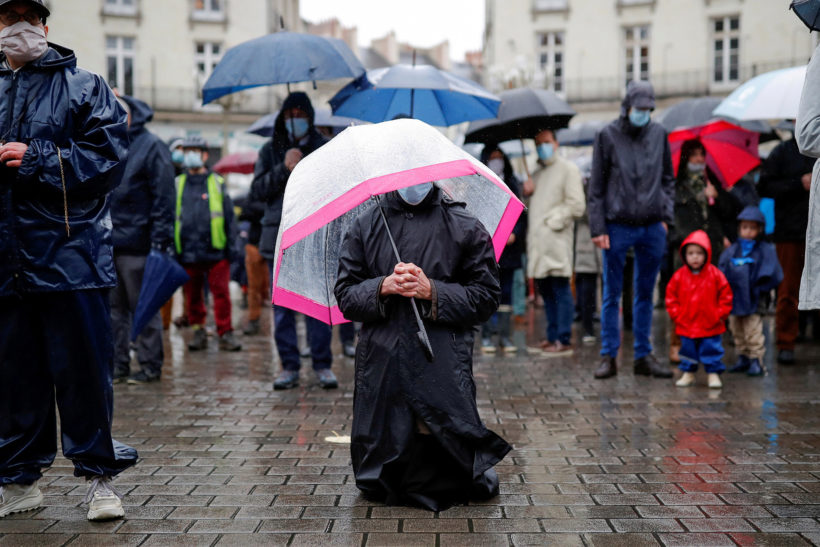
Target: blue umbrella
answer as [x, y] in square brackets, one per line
[421, 91]
[162, 276]
[324, 118]
[281, 58]
[808, 11]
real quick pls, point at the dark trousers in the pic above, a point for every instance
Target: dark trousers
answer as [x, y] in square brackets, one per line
[497, 323]
[557, 297]
[56, 353]
[792, 256]
[218, 275]
[123, 304]
[586, 287]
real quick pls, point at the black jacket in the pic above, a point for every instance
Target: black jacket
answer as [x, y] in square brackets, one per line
[50, 104]
[394, 383]
[195, 228]
[780, 179]
[512, 253]
[270, 174]
[142, 206]
[632, 180]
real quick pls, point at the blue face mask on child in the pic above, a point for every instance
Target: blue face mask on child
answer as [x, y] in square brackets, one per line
[639, 117]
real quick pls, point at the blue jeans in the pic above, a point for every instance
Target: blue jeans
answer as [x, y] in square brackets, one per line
[708, 351]
[649, 243]
[558, 307]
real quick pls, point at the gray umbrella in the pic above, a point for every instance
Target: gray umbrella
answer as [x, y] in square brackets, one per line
[580, 135]
[698, 111]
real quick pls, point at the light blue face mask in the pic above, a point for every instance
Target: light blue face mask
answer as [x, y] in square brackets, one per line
[545, 151]
[297, 127]
[193, 159]
[413, 195]
[695, 167]
[639, 117]
[178, 156]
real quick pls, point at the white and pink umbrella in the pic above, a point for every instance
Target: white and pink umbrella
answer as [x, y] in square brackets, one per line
[335, 184]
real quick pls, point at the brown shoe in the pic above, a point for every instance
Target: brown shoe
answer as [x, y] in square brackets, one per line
[607, 368]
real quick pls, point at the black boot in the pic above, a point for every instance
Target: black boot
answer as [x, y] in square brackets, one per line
[607, 368]
[649, 366]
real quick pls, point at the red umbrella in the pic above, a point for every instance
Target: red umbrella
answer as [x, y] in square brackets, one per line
[731, 151]
[239, 162]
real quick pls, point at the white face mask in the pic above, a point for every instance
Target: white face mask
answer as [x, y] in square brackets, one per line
[496, 166]
[23, 42]
[413, 195]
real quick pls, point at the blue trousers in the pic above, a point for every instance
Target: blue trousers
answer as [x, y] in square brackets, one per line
[57, 353]
[708, 351]
[649, 243]
[558, 307]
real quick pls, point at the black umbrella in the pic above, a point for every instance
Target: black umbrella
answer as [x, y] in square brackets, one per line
[698, 111]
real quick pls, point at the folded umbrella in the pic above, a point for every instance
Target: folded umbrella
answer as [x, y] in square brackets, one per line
[281, 58]
[161, 278]
[808, 11]
[731, 151]
[771, 96]
[238, 162]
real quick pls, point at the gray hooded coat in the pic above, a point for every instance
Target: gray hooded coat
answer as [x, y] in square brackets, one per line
[807, 132]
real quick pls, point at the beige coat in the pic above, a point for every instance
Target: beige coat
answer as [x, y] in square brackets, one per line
[557, 202]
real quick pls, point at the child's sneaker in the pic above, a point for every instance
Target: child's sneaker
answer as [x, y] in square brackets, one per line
[16, 498]
[742, 365]
[104, 502]
[754, 368]
[713, 380]
[688, 379]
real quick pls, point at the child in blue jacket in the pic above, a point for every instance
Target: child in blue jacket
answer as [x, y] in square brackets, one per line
[751, 266]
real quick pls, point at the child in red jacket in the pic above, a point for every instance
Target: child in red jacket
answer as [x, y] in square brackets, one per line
[699, 300]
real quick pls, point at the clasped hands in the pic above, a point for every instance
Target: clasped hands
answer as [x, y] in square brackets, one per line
[407, 280]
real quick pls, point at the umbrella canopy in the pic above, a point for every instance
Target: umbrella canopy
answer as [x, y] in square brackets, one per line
[580, 135]
[324, 118]
[336, 183]
[421, 91]
[698, 111]
[161, 278]
[281, 58]
[731, 151]
[808, 11]
[238, 162]
[523, 113]
[771, 96]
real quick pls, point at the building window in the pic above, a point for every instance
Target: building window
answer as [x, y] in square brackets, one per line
[209, 10]
[119, 53]
[726, 49]
[637, 53]
[120, 7]
[550, 51]
[550, 5]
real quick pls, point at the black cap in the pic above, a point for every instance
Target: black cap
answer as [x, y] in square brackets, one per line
[39, 5]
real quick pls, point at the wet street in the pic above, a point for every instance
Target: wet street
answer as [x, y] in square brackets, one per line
[225, 460]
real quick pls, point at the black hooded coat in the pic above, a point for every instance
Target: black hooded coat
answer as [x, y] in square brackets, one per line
[270, 176]
[395, 386]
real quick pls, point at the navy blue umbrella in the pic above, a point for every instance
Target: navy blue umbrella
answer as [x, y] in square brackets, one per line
[162, 276]
[808, 11]
[281, 58]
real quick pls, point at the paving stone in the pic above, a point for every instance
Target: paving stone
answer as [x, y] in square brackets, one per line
[717, 525]
[575, 525]
[645, 525]
[786, 524]
[621, 540]
[103, 540]
[564, 540]
[690, 540]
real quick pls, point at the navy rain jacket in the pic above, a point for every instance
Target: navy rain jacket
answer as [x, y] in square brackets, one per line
[50, 103]
[632, 180]
[142, 206]
[753, 275]
[270, 174]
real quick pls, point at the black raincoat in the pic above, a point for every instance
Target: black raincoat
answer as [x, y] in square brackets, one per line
[395, 386]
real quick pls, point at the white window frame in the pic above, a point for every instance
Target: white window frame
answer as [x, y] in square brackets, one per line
[120, 53]
[550, 5]
[554, 52]
[209, 59]
[119, 7]
[725, 38]
[634, 42]
[213, 10]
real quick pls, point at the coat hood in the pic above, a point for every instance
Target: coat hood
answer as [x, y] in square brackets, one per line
[638, 94]
[698, 237]
[753, 213]
[297, 99]
[141, 113]
[56, 57]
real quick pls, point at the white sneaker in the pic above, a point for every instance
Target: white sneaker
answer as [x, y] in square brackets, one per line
[103, 501]
[714, 380]
[688, 379]
[16, 498]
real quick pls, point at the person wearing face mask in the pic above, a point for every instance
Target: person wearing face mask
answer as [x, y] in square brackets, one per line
[556, 201]
[294, 137]
[631, 199]
[417, 438]
[63, 144]
[142, 212]
[204, 233]
[500, 323]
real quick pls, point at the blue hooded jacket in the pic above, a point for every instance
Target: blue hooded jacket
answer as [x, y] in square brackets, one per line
[142, 206]
[752, 271]
[49, 104]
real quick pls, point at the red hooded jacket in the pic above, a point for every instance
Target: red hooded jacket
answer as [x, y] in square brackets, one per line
[699, 304]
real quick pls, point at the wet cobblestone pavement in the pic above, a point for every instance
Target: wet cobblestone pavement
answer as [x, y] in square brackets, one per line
[225, 460]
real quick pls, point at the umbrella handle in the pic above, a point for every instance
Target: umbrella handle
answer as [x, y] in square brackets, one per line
[524, 158]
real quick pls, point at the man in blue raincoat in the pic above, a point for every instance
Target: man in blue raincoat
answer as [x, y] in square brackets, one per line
[64, 138]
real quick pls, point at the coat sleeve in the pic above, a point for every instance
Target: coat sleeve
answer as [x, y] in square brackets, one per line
[770, 274]
[596, 198]
[356, 289]
[573, 206]
[807, 128]
[474, 298]
[269, 177]
[161, 173]
[668, 181]
[672, 301]
[93, 152]
[724, 297]
[773, 184]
